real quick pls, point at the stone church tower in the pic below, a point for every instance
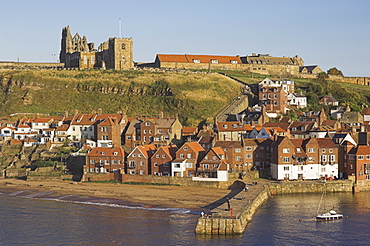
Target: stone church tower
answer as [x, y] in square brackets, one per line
[76, 52]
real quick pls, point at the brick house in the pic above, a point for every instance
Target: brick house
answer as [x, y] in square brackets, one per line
[105, 160]
[187, 160]
[108, 132]
[230, 131]
[294, 159]
[161, 160]
[257, 153]
[233, 154]
[275, 99]
[212, 163]
[158, 131]
[357, 162]
[139, 160]
[328, 100]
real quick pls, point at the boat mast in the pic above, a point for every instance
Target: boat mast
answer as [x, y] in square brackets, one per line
[322, 196]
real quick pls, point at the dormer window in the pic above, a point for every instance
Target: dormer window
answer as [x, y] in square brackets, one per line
[102, 153]
[214, 61]
[234, 62]
[147, 123]
[115, 153]
[225, 126]
[196, 60]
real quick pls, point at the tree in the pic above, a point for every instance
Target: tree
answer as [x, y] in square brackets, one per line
[335, 71]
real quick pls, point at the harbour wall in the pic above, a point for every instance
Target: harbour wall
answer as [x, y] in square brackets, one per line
[287, 187]
[236, 225]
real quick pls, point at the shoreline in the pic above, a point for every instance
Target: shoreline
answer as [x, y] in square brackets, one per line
[137, 195]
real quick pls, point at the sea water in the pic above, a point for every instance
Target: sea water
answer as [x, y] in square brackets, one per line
[34, 218]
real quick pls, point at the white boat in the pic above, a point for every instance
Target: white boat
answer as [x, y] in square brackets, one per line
[327, 215]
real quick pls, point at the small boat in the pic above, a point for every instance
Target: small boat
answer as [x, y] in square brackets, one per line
[327, 215]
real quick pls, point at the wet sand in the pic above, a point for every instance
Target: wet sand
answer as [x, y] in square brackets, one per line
[144, 195]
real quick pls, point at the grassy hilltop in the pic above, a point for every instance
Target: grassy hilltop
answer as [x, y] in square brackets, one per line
[194, 97]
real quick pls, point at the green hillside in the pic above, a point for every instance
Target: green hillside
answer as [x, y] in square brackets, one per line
[193, 96]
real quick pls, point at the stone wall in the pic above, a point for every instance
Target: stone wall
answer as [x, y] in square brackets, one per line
[310, 187]
[181, 181]
[227, 226]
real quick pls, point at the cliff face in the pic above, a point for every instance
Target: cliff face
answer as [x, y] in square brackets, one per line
[193, 97]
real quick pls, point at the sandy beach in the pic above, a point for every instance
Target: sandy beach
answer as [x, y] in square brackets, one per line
[159, 196]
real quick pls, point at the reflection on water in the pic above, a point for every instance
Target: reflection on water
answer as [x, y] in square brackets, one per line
[282, 220]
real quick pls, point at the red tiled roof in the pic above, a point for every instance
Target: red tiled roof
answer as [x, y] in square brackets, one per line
[195, 146]
[366, 111]
[200, 58]
[42, 120]
[145, 149]
[108, 151]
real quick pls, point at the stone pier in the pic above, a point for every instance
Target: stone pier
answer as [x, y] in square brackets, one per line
[222, 220]
[233, 216]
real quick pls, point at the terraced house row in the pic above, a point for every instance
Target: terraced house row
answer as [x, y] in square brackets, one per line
[284, 150]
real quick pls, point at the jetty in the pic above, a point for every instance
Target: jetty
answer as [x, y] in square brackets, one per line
[232, 213]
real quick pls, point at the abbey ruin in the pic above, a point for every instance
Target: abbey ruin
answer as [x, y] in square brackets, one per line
[76, 52]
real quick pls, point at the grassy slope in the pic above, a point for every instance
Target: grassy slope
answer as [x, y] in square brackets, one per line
[195, 97]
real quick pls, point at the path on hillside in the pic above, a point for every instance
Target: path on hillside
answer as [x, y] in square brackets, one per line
[230, 112]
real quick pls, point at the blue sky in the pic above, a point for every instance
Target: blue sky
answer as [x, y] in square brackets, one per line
[329, 33]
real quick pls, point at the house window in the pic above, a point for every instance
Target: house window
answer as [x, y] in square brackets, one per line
[141, 163]
[189, 156]
[249, 156]
[141, 172]
[323, 158]
[286, 159]
[106, 162]
[286, 168]
[132, 171]
[360, 157]
[286, 150]
[368, 157]
[205, 166]
[147, 123]
[331, 158]
[102, 153]
[114, 161]
[248, 148]
[300, 168]
[139, 155]
[163, 156]
[234, 62]
[92, 170]
[177, 165]
[156, 164]
[92, 161]
[311, 159]
[182, 155]
[237, 150]
[311, 150]
[131, 164]
[214, 61]
[115, 153]
[196, 60]
[323, 169]
[185, 148]
[238, 158]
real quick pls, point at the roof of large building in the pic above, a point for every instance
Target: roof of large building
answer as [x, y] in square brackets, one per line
[198, 58]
